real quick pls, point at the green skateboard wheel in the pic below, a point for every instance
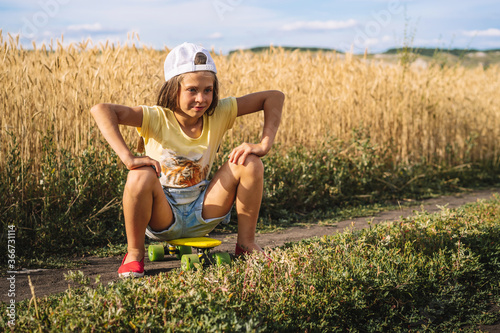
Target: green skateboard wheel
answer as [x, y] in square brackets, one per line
[183, 250]
[189, 261]
[222, 258]
[156, 252]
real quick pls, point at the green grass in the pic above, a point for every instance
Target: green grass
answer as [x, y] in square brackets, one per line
[67, 204]
[71, 205]
[429, 273]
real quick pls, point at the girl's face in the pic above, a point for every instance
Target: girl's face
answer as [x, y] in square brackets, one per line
[196, 93]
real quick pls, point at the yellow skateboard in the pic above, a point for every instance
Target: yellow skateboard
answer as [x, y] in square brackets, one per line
[182, 248]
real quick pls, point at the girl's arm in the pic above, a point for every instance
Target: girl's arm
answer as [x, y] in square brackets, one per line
[272, 103]
[108, 117]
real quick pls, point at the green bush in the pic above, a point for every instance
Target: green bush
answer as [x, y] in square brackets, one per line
[336, 175]
[71, 204]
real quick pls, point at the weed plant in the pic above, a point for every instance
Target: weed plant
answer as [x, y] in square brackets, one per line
[74, 205]
[429, 273]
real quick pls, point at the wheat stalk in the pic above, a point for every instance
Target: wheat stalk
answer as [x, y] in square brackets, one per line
[431, 113]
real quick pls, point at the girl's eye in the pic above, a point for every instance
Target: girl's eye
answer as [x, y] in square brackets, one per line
[208, 90]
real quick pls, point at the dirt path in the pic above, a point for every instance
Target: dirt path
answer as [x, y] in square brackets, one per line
[47, 282]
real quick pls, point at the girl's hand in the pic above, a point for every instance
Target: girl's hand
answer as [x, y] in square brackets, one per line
[135, 162]
[240, 153]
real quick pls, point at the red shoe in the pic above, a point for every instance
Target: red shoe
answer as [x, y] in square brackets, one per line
[134, 268]
[239, 251]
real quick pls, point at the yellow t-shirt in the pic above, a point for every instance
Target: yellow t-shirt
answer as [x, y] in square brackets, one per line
[185, 161]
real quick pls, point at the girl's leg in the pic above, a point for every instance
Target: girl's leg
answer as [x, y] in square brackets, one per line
[245, 184]
[143, 203]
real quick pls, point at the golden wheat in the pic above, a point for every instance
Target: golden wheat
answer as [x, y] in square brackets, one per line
[416, 113]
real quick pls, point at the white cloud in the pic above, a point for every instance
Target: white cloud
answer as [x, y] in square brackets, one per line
[86, 27]
[372, 41]
[215, 35]
[319, 25]
[483, 33]
[95, 30]
[387, 38]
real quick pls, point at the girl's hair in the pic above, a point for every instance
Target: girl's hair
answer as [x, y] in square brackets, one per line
[168, 94]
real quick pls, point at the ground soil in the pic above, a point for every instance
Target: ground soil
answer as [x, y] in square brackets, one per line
[51, 281]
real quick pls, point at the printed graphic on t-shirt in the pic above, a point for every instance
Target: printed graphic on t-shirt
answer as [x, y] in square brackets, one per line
[181, 171]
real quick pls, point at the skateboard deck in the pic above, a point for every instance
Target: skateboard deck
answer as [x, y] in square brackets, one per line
[196, 242]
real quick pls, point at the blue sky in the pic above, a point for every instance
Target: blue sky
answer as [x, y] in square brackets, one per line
[231, 24]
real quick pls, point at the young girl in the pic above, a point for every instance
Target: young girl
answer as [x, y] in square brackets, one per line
[167, 194]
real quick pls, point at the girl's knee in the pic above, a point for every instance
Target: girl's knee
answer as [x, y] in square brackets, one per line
[141, 179]
[253, 165]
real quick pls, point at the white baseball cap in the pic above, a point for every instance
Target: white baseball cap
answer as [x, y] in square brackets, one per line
[181, 60]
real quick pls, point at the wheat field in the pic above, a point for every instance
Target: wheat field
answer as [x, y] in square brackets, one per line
[431, 113]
